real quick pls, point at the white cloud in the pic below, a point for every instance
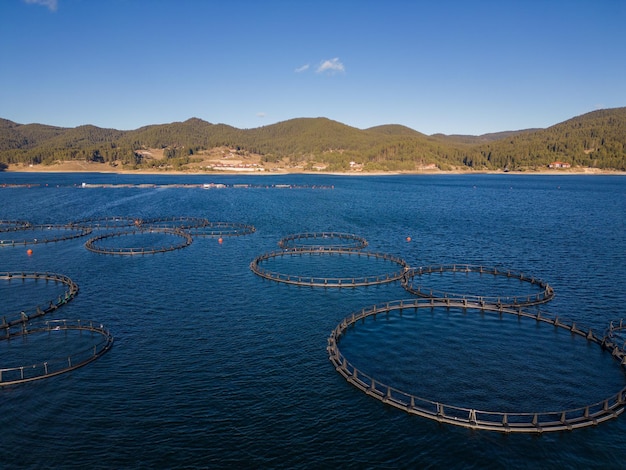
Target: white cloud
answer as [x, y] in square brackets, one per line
[302, 69]
[331, 66]
[261, 115]
[51, 4]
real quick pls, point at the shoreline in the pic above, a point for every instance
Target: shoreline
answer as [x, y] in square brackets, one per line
[101, 168]
[582, 172]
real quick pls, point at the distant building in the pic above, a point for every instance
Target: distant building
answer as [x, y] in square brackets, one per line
[559, 165]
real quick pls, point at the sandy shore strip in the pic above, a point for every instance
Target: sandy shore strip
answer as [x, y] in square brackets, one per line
[89, 167]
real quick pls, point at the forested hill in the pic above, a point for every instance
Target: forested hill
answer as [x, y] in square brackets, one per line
[596, 139]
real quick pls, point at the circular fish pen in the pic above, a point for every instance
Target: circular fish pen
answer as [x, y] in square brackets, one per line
[37, 234]
[103, 341]
[542, 292]
[181, 223]
[506, 422]
[108, 222]
[96, 244]
[222, 229]
[325, 240]
[9, 225]
[335, 282]
[70, 291]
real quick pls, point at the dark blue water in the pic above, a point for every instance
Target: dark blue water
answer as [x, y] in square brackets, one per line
[214, 367]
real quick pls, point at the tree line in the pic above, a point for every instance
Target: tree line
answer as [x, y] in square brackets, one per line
[596, 140]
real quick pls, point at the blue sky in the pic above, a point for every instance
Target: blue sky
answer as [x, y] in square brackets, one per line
[449, 66]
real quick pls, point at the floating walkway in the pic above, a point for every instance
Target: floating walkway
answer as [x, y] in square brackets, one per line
[332, 282]
[328, 240]
[545, 294]
[93, 243]
[11, 225]
[37, 234]
[506, 422]
[70, 292]
[60, 365]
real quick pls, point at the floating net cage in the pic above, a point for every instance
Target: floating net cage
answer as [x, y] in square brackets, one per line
[337, 255]
[160, 242]
[515, 289]
[501, 421]
[70, 290]
[89, 341]
[511, 292]
[100, 342]
[37, 234]
[327, 240]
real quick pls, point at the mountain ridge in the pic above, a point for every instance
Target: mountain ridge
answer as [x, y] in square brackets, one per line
[596, 139]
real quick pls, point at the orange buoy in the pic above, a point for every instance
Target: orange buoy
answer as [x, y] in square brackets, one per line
[219, 240]
[29, 252]
[408, 239]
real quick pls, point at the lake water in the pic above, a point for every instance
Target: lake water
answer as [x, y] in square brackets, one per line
[215, 367]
